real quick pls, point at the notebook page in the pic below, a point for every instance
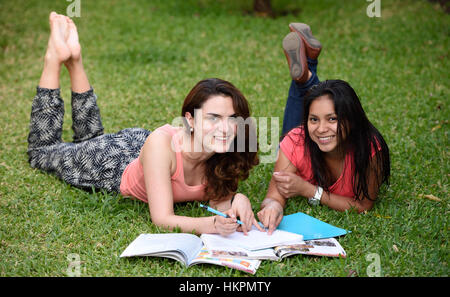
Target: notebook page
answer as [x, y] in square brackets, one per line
[256, 240]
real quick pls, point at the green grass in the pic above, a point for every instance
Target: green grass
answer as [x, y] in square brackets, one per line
[142, 57]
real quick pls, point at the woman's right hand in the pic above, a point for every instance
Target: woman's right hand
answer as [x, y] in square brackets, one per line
[271, 214]
[226, 226]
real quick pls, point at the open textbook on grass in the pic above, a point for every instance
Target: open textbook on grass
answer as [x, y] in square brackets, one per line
[255, 239]
[185, 248]
[297, 234]
[190, 250]
[328, 247]
[317, 236]
[218, 245]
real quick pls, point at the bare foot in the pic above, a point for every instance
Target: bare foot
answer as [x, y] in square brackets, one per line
[72, 40]
[57, 50]
[74, 64]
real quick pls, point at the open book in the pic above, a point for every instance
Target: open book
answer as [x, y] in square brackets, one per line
[185, 248]
[255, 239]
[240, 251]
[189, 249]
[329, 247]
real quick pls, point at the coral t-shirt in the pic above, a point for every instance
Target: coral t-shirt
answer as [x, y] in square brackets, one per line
[133, 182]
[293, 146]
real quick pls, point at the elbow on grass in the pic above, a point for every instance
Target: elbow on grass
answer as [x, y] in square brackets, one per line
[167, 223]
[360, 206]
[162, 222]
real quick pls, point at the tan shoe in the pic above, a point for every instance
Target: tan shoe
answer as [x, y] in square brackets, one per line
[312, 45]
[295, 54]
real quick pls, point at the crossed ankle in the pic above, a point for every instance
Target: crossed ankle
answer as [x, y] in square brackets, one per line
[74, 63]
[52, 59]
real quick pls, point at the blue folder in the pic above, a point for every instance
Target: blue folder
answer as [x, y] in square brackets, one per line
[309, 227]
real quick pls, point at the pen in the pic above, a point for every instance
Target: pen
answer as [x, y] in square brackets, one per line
[262, 226]
[225, 215]
[218, 213]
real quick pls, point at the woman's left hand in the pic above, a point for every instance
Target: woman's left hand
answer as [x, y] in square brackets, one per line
[289, 184]
[243, 209]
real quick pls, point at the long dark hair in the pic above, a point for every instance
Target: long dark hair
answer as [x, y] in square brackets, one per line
[361, 138]
[224, 171]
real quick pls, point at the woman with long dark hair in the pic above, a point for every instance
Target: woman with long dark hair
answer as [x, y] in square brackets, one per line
[198, 162]
[331, 153]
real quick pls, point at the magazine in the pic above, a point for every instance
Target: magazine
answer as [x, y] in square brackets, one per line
[329, 247]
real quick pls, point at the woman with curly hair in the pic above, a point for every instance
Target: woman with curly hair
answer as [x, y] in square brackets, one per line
[199, 162]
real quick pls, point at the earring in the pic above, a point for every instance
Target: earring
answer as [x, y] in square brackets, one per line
[191, 129]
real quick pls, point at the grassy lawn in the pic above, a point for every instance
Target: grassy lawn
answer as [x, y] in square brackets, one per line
[142, 57]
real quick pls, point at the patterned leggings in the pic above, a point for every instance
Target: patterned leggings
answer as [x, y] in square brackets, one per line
[93, 159]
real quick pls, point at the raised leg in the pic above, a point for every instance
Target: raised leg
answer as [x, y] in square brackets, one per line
[94, 159]
[74, 64]
[293, 112]
[86, 120]
[57, 52]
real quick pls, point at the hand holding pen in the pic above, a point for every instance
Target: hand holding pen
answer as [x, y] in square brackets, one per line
[243, 209]
[227, 223]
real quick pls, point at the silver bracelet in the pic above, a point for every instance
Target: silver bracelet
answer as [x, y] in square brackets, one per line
[317, 196]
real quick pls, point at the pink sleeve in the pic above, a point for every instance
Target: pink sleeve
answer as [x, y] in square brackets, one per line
[292, 146]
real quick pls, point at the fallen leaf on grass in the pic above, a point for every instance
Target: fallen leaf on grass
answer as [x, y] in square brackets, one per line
[436, 127]
[430, 197]
[395, 248]
[380, 216]
[440, 123]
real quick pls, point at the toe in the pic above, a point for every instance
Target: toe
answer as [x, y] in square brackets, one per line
[52, 16]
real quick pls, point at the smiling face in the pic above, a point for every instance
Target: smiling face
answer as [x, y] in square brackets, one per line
[323, 124]
[214, 124]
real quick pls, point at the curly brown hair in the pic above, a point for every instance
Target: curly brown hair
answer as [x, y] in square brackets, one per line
[223, 171]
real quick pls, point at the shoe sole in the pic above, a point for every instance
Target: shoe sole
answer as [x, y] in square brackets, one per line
[295, 54]
[313, 46]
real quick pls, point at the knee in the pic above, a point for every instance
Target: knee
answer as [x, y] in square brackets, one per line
[32, 158]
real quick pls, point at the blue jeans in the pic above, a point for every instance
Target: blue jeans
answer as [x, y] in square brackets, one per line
[293, 112]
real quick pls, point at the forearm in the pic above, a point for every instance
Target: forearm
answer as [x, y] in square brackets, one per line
[334, 201]
[273, 195]
[198, 225]
[343, 203]
[269, 199]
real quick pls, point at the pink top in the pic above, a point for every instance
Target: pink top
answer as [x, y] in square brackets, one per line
[133, 183]
[293, 146]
